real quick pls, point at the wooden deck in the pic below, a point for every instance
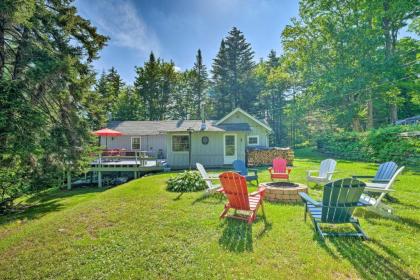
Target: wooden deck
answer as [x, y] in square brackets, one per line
[135, 164]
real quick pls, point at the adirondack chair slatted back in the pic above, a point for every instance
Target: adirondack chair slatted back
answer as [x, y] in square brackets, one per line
[240, 167]
[204, 174]
[235, 189]
[327, 165]
[386, 171]
[391, 182]
[340, 199]
[279, 165]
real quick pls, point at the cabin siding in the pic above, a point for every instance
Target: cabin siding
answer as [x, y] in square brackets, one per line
[256, 128]
[210, 155]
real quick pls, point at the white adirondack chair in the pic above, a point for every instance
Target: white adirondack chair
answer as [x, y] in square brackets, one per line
[325, 172]
[382, 188]
[208, 179]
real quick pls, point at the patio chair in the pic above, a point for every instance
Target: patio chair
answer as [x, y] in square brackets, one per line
[339, 200]
[384, 174]
[279, 169]
[379, 188]
[325, 172]
[236, 191]
[239, 166]
[208, 179]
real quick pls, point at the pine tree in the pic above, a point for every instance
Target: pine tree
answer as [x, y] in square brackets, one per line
[199, 85]
[232, 74]
[154, 84]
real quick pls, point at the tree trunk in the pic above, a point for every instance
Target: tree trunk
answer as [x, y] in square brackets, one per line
[356, 124]
[393, 113]
[370, 114]
[2, 43]
[390, 42]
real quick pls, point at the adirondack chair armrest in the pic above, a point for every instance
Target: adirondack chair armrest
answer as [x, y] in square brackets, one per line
[361, 176]
[213, 176]
[332, 172]
[307, 199]
[253, 170]
[309, 172]
[380, 181]
[378, 190]
[260, 191]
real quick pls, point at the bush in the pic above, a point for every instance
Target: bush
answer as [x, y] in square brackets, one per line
[379, 145]
[188, 181]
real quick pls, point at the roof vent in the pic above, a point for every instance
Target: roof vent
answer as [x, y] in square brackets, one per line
[203, 126]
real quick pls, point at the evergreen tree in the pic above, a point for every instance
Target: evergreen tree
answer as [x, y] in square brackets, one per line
[199, 85]
[154, 84]
[45, 77]
[274, 82]
[127, 106]
[232, 74]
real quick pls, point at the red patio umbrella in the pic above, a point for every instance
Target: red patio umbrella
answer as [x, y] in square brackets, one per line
[107, 132]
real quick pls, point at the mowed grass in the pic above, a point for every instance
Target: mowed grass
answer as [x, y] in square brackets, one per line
[141, 231]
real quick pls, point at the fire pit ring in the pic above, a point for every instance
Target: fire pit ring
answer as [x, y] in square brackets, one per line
[287, 192]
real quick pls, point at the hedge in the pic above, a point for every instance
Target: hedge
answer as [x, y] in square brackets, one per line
[379, 145]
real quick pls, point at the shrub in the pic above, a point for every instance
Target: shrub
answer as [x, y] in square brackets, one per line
[379, 145]
[188, 181]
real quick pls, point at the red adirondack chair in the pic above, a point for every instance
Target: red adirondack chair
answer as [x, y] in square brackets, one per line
[236, 191]
[279, 169]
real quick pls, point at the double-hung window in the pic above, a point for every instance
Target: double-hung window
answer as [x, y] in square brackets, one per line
[180, 143]
[253, 140]
[135, 143]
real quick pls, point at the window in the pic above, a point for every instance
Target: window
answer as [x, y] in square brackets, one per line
[135, 143]
[253, 140]
[180, 143]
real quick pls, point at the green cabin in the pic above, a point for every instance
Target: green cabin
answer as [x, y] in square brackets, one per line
[213, 142]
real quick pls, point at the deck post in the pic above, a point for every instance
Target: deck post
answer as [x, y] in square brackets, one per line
[100, 179]
[68, 179]
[135, 174]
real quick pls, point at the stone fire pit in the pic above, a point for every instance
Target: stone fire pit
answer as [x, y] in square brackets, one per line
[283, 191]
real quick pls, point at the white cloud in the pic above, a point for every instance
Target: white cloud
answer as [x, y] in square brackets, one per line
[177, 69]
[120, 20]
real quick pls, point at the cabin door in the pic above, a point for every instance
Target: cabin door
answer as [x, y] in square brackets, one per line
[230, 148]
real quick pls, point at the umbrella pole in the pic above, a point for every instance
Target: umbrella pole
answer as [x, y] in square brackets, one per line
[106, 142]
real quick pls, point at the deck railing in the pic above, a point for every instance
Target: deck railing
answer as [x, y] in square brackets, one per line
[137, 160]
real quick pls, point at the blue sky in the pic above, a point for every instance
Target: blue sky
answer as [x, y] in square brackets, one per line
[176, 29]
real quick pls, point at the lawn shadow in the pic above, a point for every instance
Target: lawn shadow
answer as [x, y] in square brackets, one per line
[209, 198]
[237, 235]
[374, 218]
[43, 203]
[369, 263]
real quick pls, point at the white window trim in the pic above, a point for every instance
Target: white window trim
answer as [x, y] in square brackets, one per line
[178, 152]
[131, 146]
[236, 145]
[258, 140]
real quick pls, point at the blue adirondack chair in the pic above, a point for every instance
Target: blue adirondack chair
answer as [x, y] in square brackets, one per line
[384, 174]
[339, 200]
[239, 166]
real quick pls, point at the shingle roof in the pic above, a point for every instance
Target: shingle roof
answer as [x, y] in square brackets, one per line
[159, 127]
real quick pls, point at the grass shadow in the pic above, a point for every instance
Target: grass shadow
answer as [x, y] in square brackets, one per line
[43, 203]
[369, 263]
[236, 236]
[375, 218]
[209, 198]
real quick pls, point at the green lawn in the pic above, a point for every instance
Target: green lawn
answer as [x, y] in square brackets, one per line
[141, 231]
